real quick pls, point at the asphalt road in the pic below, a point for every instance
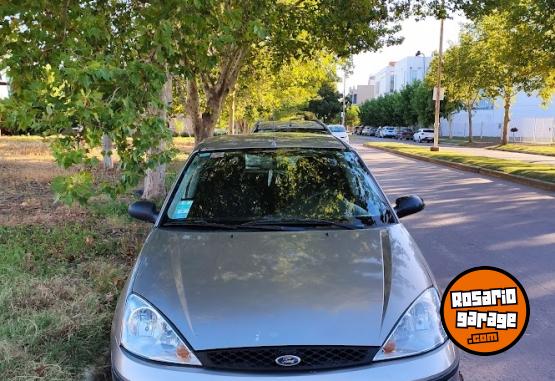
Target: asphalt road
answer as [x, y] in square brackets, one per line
[472, 220]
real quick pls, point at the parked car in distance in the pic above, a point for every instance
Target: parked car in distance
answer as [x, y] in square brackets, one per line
[339, 131]
[358, 130]
[366, 130]
[310, 126]
[277, 256]
[424, 135]
[389, 132]
[404, 133]
[378, 132]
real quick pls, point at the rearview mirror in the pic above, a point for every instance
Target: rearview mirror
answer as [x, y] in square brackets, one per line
[143, 210]
[408, 205]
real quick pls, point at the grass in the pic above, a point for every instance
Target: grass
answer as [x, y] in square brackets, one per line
[546, 150]
[463, 141]
[61, 268]
[513, 167]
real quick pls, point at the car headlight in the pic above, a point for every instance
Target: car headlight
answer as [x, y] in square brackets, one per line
[419, 330]
[147, 334]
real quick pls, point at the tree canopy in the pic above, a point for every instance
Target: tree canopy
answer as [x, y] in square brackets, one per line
[103, 65]
[327, 106]
[411, 106]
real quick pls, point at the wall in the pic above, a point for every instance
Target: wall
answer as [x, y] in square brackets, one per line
[363, 93]
[410, 69]
[535, 123]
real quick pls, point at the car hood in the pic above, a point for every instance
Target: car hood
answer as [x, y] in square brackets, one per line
[312, 287]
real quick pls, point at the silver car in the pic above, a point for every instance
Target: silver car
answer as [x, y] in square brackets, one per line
[277, 257]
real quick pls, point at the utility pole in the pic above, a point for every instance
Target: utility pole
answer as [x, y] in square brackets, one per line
[437, 89]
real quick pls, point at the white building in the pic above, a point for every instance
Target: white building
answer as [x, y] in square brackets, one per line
[4, 90]
[398, 74]
[535, 122]
[385, 80]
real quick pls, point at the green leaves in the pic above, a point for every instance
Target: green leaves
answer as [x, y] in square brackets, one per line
[73, 188]
[83, 69]
[327, 106]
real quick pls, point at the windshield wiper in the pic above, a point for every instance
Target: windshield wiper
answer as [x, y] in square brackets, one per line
[204, 224]
[201, 224]
[301, 222]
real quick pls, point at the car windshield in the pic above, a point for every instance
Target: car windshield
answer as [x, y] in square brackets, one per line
[236, 187]
[336, 128]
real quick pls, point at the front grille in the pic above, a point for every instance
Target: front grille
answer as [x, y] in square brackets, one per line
[264, 358]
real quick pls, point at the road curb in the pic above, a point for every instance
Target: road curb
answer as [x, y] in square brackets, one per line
[544, 185]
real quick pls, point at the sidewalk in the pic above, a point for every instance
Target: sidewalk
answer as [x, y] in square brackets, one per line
[525, 157]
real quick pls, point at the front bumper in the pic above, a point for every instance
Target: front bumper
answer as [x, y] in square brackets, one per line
[440, 364]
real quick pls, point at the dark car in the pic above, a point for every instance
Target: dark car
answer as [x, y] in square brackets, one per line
[405, 134]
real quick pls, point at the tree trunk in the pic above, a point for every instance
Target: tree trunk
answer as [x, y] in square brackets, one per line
[215, 91]
[469, 112]
[107, 161]
[154, 183]
[450, 124]
[232, 127]
[506, 119]
[154, 186]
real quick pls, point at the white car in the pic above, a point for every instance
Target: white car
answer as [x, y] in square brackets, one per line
[424, 135]
[339, 132]
[388, 132]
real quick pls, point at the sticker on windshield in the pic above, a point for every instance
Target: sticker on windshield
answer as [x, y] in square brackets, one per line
[182, 209]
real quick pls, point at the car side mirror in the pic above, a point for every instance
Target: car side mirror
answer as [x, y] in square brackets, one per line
[407, 205]
[143, 210]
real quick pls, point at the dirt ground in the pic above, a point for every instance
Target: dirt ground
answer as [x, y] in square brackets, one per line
[61, 267]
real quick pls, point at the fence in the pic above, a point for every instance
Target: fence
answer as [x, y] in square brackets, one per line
[534, 130]
[530, 130]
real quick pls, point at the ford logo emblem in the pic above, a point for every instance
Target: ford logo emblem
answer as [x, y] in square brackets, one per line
[288, 360]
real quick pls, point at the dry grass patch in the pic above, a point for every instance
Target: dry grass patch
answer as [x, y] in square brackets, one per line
[61, 270]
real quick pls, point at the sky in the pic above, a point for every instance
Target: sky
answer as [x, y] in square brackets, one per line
[419, 35]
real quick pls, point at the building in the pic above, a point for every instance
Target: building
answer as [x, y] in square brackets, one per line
[362, 93]
[534, 121]
[410, 69]
[4, 89]
[384, 80]
[398, 74]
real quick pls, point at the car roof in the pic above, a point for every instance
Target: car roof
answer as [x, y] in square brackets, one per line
[271, 141]
[284, 125]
